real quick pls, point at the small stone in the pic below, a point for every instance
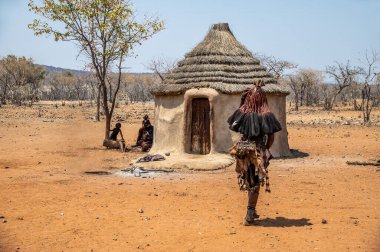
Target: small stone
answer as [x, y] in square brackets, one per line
[167, 154]
[4, 221]
[324, 221]
[140, 210]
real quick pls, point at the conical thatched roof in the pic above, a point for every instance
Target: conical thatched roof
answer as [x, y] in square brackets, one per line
[220, 62]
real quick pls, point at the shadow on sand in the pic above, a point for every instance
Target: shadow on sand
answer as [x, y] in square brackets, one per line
[283, 222]
[298, 154]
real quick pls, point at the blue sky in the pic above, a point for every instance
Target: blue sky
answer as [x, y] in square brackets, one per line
[311, 33]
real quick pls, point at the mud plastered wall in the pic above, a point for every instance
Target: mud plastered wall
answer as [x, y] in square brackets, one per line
[173, 117]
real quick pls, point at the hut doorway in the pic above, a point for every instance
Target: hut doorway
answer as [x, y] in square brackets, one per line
[200, 126]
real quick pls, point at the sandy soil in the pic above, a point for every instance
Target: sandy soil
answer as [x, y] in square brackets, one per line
[48, 203]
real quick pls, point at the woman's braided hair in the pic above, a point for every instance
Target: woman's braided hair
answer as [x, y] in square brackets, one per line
[255, 100]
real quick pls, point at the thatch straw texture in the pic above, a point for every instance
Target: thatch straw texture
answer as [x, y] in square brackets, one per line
[220, 62]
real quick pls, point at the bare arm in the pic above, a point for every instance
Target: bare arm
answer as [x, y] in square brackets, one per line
[270, 140]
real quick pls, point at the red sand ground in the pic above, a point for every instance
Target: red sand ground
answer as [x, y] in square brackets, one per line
[49, 204]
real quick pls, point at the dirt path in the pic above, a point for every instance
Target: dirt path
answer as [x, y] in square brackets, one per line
[47, 203]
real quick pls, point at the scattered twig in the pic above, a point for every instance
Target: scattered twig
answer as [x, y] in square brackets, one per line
[363, 163]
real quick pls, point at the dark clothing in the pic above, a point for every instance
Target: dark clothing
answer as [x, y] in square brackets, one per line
[146, 122]
[253, 118]
[140, 135]
[145, 138]
[148, 134]
[114, 133]
[149, 158]
[253, 124]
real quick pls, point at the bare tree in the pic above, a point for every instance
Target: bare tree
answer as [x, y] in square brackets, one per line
[310, 80]
[369, 80]
[62, 86]
[161, 67]
[344, 75]
[138, 93]
[137, 87]
[351, 95]
[275, 66]
[304, 85]
[296, 86]
[106, 31]
[95, 92]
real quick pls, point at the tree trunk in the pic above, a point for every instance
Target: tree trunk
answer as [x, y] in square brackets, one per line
[357, 107]
[98, 105]
[106, 110]
[110, 92]
[108, 126]
[333, 101]
[366, 104]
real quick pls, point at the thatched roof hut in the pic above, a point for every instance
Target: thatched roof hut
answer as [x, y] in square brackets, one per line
[194, 101]
[219, 62]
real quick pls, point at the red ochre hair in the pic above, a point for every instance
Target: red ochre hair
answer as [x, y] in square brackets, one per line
[255, 100]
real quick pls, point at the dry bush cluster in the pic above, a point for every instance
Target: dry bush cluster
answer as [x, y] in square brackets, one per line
[20, 80]
[23, 82]
[354, 85]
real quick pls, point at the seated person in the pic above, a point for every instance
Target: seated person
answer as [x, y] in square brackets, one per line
[141, 130]
[116, 131]
[145, 137]
[112, 142]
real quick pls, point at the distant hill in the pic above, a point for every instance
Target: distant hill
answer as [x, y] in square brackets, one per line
[57, 70]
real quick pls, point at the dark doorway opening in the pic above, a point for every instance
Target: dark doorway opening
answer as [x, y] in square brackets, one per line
[200, 126]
